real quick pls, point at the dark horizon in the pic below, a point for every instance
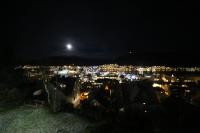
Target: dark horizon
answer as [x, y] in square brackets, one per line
[136, 59]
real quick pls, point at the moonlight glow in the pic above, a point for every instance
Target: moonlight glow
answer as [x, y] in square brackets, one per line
[69, 47]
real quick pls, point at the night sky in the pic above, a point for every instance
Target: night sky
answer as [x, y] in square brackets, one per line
[99, 30]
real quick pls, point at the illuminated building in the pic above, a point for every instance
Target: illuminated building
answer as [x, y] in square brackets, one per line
[84, 96]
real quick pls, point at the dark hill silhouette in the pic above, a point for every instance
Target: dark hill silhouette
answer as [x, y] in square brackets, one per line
[149, 59]
[66, 60]
[168, 59]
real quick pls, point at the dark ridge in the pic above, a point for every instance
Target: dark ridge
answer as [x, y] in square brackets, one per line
[167, 59]
[141, 59]
[63, 60]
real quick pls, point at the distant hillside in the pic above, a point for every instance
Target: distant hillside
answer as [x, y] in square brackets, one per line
[170, 59]
[63, 60]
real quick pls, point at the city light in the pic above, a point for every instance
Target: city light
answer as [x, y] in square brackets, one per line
[84, 96]
[106, 88]
[157, 85]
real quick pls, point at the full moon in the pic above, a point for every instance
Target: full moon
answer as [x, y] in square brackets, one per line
[69, 47]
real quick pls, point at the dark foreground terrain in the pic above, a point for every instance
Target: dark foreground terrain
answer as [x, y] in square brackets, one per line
[26, 119]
